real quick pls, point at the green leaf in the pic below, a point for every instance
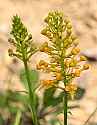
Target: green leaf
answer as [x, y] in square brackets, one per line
[3, 100]
[17, 97]
[79, 93]
[1, 120]
[55, 122]
[9, 97]
[13, 109]
[50, 100]
[34, 77]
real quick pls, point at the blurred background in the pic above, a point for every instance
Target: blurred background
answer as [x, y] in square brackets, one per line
[83, 14]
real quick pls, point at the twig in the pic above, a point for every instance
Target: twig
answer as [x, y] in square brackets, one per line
[91, 115]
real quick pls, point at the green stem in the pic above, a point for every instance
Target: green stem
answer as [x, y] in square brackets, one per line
[18, 118]
[31, 95]
[65, 99]
[65, 108]
[30, 91]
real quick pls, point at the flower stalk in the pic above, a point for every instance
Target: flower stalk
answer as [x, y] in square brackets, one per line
[63, 52]
[65, 103]
[25, 48]
[65, 98]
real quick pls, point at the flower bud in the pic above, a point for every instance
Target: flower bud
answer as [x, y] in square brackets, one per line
[42, 62]
[10, 51]
[29, 37]
[58, 76]
[69, 26]
[76, 43]
[73, 63]
[44, 31]
[47, 83]
[69, 31]
[73, 38]
[83, 58]
[66, 21]
[75, 51]
[66, 63]
[86, 66]
[46, 20]
[71, 89]
[77, 73]
[10, 40]
[38, 67]
[44, 47]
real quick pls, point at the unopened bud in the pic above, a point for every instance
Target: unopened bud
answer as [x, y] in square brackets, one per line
[75, 51]
[83, 58]
[29, 37]
[10, 51]
[86, 66]
[77, 73]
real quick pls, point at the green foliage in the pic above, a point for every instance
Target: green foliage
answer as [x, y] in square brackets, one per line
[1, 120]
[34, 78]
[3, 100]
[18, 118]
[9, 98]
[50, 100]
[55, 122]
[80, 93]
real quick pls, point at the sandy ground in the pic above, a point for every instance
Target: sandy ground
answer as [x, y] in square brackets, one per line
[83, 14]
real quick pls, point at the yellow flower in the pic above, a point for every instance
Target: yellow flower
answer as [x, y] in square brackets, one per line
[38, 67]
[86, 66]
[83, 58]
[42, 65]
[77, 73]
[75, 51]
[73, 63]
[75, 42]
[66, 63]
[69, 26]
[71, 89]
[58, 76]
[47, 83]
[42, 62]
[44, 47]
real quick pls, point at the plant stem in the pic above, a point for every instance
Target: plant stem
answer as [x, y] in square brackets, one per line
[65, 108]
[31, 95]
[18, 118]
[65, 99]
[30, 90]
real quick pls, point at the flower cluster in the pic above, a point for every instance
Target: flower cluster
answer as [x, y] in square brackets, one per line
[21, 40]
[62, 49]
